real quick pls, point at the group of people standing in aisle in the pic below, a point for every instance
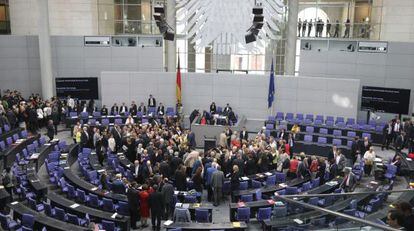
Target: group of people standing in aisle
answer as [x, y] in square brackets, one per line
[305, 28]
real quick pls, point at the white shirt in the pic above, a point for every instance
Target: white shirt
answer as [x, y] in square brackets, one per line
[111, 144]
[369, 155]
[71, 103]
[396, 127]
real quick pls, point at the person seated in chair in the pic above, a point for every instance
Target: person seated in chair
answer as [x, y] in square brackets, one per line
[213, 108]
[160, 110]
[123, 109]
[133, 109]
[142, 108]
[227, 109]
[349, 181]
[114, 109]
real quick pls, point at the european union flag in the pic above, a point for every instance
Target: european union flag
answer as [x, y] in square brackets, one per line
[271, 95]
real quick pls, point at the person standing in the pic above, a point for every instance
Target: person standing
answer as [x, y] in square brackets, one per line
[156, 204]
[310, 24]
[235, 181]
[50, 130]
[299, 26]
[369, 158]
[151, 101]
[304, 24]
[144, 207]
[336, 34]
[133, 202]
[399, 143]
[347, 28]
[9, 181]
[328, 28]
[217, 181]
[168, 195]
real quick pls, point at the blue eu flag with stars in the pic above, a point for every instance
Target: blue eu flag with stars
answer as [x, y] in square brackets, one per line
[271, 95]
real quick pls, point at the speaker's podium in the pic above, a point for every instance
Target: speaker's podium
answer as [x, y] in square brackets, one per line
[209, 143]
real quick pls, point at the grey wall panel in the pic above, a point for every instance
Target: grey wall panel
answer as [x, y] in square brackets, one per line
[392, 69]
[13, 52]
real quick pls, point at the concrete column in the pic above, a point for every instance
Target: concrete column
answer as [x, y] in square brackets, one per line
[293, 8]
[208, 59]
[171, 46]
[45, 50]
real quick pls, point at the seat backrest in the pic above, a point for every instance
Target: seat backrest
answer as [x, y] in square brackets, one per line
[308, 138]
[323, 131]
[246, 198]
[280, 177]
[60, 214]
[271, 180]
[310, 129]
[181, 215]
[258, 194]
[3, 221]
[243, 213]
[108, 225]
[48, 209]
[322, 140]
[336, 142]
[337, 132]
[28, 220]
[73, 219]
[202, 215]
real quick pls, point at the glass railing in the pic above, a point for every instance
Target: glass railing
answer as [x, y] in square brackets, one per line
[135, 27]
[353, 30]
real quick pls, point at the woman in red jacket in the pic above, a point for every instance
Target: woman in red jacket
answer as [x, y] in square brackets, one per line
[144, 206]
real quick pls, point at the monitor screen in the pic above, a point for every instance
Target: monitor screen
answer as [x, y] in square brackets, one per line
[390, 100]
[80, 88]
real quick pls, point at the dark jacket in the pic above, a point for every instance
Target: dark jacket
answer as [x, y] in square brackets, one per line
[180, 181]
[235, 181]
[133, 200]
[167, 193]
[156, 203]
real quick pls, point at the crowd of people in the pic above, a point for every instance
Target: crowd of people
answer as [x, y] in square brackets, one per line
[32, 113]
[164, 157]
[332, 30]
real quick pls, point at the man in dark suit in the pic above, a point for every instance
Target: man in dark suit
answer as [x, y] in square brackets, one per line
[168, 195]
[355, 151]
[387, 133]
[160, 110]
[282, 135]
[133, 202]
[116, 132]
[85, 138]
[243, 134]
[152, 102]
[213, 108]
[114, 109]
[50, 130]
[349, 181]
[142, 108]
[104, 111]
[133, 109]
[123, 109]
[217, 181]
[191, 139]
[227, 109]
[156, 204]
[332, 153]
[399, 143]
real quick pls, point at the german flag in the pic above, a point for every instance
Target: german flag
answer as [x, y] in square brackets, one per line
[178, 83]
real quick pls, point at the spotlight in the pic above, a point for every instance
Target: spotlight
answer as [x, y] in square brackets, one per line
[250, 38]
[169, 36]
[159, 9]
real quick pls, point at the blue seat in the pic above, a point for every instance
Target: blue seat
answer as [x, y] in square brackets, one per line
[323, 131]
[60, 214]
[291, 190]
[308, 138]
[256, 184]
[322, 140]
[71, 192]
[337, 142]
[326, 201]
[2, 146]
[373, 205]
[7, 223]
[279, 211]
[391, 171]
[49, 211]
[33, 205]
[108, 205]
[337, 132]
[109, 226]
[351, 134]
[271, 180]
[76, 220]
[81, 196]
[318, 122]
[181, 215]
[123, 208]
[280, 116]
[27, 220]
[368, 135]
[243, 214]
[258, 194]
[289, 117]
[93, 201]
[306, 187]
[264, 213]
[243, 185]
[313, 201]
[329, 123]
[246, 198]
[309, 129]
[190, 199]
[280, 177]
[202, 215]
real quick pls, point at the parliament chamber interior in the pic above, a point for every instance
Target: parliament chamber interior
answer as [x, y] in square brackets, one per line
[176, 115]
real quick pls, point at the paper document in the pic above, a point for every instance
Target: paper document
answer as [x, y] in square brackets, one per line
[167, 223]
